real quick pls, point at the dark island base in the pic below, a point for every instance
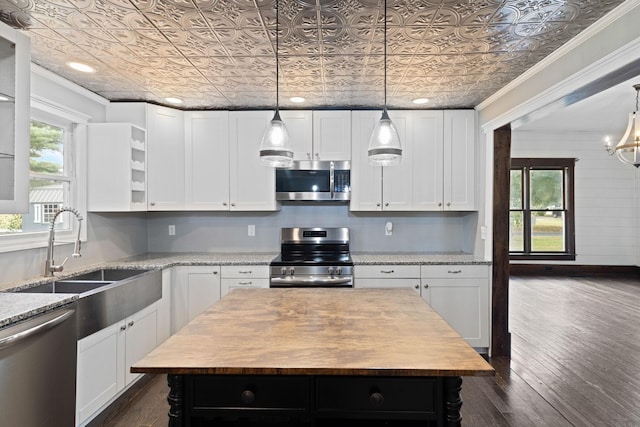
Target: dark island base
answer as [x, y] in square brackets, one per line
[242, 400]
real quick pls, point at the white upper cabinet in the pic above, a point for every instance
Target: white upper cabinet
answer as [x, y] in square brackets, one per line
[331, 135]
[165, 155]
[299, 123]
[252, 184]
[366, 180]
[436, 172]
[116, 167]
[15, 98]
[319, 135]
[459, 171]
[207, 160]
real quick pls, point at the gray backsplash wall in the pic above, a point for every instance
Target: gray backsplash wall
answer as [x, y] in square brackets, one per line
[226, 231]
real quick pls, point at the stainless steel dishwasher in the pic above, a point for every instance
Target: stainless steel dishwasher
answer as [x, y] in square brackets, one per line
[38, 370]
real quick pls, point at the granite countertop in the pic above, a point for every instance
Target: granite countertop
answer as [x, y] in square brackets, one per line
[15, 307]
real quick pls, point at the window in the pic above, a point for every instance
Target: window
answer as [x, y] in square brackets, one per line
[541, 215]
[52, 183]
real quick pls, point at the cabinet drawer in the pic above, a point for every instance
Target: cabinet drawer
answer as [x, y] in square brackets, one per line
[245, 271]
[232, 392]
[387, 271]
[364, 282]
[454, 271]
[402, 397]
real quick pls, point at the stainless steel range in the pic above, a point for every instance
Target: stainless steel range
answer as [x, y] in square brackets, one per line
[313, 257]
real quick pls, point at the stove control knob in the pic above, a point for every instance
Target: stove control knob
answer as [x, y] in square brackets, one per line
[292, 271]
[283, 271]
[331, 271]
[338, 271]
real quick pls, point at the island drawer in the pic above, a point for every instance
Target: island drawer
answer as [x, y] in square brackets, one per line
[406, 398]
[221, 393]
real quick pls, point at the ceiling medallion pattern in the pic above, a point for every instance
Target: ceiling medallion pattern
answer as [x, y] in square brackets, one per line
[220, 54]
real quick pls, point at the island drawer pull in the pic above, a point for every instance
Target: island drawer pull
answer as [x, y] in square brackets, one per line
[245, 271]
[247, 397]
[376, 399]
[454, 271]
[386, 271]
[245, 283]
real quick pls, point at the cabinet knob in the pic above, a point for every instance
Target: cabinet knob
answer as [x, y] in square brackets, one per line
[426, 286]
[317, 155]
[376, 399]
[440, 204]
[378, 204]
[233, 204]
[386, 204]
[215, 272]
[224, 203]
[247, 397]
[448, 204]
[152, 203]
[308, 155]
[416, 286]
[123, 328]
[131, 323]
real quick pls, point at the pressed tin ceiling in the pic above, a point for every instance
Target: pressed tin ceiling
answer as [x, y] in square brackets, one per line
[220, 54]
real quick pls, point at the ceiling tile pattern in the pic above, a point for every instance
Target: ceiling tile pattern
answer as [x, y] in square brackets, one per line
[220, 54]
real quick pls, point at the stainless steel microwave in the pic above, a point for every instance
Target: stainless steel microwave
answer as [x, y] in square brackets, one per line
[317, 180]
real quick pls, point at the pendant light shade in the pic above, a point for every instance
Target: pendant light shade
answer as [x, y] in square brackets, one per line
[276, 149]
[384, 145]
[628, 149]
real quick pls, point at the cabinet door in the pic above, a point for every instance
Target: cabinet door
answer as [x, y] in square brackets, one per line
[397, 181]
[142, 329]
[366, 180]
[14, 120]
[299, 124]
[252, 184]
[332, 135]
[459, 161]
[204, 289]
[207, 160]
[427, 157]
[100, 373]
[165, 158]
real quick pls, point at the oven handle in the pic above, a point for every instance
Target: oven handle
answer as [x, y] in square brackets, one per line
[332, 178]
[314, 280]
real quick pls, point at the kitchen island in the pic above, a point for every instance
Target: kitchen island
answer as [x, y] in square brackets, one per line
[312, 356]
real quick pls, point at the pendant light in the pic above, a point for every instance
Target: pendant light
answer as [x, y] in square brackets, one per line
[384, 144]
[276, 149]
[628, 148]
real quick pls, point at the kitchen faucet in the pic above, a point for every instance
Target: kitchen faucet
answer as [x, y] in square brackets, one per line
[49, 266]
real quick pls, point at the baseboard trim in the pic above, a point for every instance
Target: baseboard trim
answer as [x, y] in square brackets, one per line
[572, 270]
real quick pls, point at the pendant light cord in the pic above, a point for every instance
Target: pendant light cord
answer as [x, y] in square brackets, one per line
[385, 54]
[277, 61]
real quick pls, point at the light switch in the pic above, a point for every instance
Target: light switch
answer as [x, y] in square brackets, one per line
[172, 230]
[251, 230]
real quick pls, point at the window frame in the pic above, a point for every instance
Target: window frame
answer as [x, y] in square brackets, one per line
[75, 149]
[526, 165]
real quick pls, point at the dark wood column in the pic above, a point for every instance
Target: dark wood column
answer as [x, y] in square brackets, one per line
[500, 336]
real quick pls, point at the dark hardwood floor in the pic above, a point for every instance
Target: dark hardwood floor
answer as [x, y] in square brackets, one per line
[575, 361]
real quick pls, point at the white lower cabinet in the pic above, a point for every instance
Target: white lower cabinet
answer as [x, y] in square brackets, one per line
[387, 276]
[243, 276]
[460, 294]
[193, 290]
[105, 358]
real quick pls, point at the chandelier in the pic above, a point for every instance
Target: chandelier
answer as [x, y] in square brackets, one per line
[627, 150]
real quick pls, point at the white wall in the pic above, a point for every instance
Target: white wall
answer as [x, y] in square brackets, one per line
[604, 194]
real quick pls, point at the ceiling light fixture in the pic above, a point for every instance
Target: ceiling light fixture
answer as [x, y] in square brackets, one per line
[384, 144]
[420, 101]
[172, 100]
[276, 149]
[83, 68]
[628, 148]
[297, 99]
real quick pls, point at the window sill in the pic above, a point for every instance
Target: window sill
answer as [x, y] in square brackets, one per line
[542, 257]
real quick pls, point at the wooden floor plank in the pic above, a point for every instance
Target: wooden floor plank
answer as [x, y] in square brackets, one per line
[575, 361]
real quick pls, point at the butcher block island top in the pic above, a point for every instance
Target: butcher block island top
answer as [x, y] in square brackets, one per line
[351, 332]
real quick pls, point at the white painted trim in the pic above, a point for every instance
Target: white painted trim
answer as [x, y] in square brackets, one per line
[51, 107]
[49, 75]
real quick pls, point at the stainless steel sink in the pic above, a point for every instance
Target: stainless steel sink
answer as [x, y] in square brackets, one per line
[66, 287]
[106, 296]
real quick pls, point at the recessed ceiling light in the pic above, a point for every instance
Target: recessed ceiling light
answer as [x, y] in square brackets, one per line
[420, 101]
[78, 66]
[173, 100]
[297, 99]
[3, 98]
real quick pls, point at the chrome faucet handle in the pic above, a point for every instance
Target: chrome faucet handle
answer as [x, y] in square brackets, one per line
[58, 268]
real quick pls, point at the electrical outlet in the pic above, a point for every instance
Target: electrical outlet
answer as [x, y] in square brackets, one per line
[483, 232]
[172, 230]
[251, 230]
[388, 228]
